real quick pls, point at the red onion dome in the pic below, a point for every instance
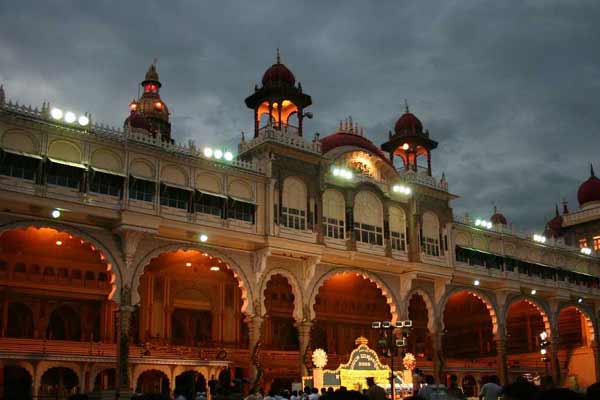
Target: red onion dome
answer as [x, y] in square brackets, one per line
[278, 74]
[346, 138]
[589, 191]
[498, 218]
[554, 226]
[408, 125]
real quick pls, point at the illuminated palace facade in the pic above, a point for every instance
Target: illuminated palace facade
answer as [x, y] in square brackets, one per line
[131, 262]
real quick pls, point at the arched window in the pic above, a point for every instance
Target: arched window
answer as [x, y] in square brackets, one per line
[430, 234]
[398, 229]
[334, 214]
[368, 219]
[20, 321]
[293, 210]
[64, 324]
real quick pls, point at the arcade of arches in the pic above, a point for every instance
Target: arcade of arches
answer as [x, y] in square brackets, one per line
[56, 297]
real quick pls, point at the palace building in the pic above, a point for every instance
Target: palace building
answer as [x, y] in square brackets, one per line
[131, 262]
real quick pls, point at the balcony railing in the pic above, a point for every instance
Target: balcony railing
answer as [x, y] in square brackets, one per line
[421, 177]
[121, 135]
[288, 135]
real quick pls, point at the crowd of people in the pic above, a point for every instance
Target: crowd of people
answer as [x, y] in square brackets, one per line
[520, 389]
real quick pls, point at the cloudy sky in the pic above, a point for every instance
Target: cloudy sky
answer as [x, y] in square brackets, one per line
[510, 89]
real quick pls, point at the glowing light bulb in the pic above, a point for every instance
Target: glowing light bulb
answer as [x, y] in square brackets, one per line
[56, 113]
[59, 243]
[83, 120]
[214, 268]
[55, 213]
[228, 156]
[533, 292]
[70, 117]
[208, 152]
[203, 238]
[218, 154]
[476, 282]
[405, 146]
[188, 264]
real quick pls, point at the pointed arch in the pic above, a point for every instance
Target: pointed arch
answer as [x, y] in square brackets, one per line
[431, 317]
[113, 263]
[540, 306]
[296, 291]
[484, 297]
[370, 276]
[236, 269]
[587, 313]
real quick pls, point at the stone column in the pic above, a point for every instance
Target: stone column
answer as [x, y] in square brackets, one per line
[596, 349]
[439, 360]
[554, 360]
[254, 333]
[1, 381]
[502, 360]
[123, 381]
[304, 328]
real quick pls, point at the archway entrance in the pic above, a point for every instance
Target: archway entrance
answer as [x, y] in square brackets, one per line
[59, 383]
[468, 327]
[153, 382]
[419, 341]
[524, 323]
[279, 332]
[20, 321]
[345, 306]
[17, 383]
[64, 324]
[575, 335]
[189, 384]
[105, 380]
[60, 286]
[190, 298]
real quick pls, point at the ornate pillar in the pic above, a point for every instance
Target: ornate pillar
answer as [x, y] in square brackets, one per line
[254, 334]
[125, 311]
[554, 360]
[439, 360]
[596, 349]
[304, 328]
[1, 381]
[502, 360]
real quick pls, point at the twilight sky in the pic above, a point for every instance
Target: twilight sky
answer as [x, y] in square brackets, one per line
[509, 89]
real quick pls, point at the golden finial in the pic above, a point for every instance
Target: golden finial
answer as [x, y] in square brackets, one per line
[361, 340]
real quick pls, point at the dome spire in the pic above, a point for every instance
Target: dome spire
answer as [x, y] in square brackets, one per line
[592, 170]
[556, 210]
[565, 206]
[406, 110]
[278, 56]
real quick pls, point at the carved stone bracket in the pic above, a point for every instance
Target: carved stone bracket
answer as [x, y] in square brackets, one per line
[130, 240]
[259, 258]
[309, 266]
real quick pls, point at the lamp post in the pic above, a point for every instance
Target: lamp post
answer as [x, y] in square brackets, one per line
[544, 344]
[388, 342]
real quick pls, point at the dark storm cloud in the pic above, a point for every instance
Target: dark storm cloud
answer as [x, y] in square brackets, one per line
[509, 89]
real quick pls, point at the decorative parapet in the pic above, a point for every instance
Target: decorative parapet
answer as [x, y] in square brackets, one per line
[123, 135]
[422, 178]
[288, 136]
[580, 216]
[508, 242]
